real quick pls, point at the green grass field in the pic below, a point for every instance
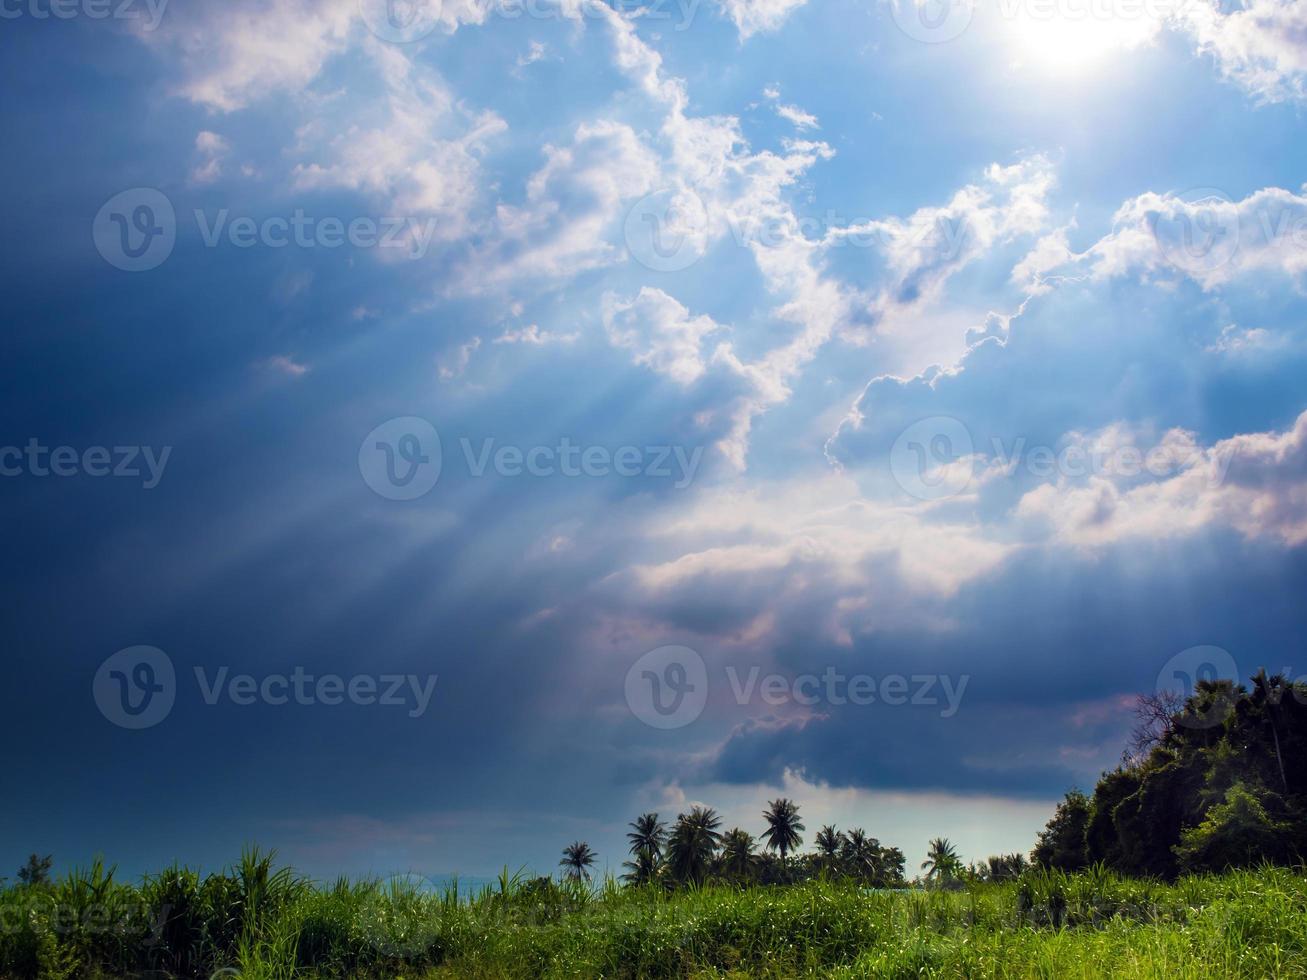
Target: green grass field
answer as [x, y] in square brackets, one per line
[260, 923]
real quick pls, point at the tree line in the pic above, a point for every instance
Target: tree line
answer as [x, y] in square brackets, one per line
[695, 851]
[1212, 781]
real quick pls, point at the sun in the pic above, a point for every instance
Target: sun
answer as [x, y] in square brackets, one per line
[1072, 36]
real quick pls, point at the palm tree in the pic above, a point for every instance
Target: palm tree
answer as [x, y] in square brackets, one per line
[942, 861]
[783, 826]
[693, 844]
[737, 859]
[861, 855]
[648, 834]
[577, 859]
[828, 841]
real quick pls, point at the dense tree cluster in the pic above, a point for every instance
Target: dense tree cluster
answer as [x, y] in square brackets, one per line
[695, 850]
[1218, 781]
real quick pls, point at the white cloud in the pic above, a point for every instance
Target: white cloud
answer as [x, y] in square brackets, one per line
[815, 529]
[1261, 44]
[454, 365]
[532, 335]
[1255, 483]
[423, 159]
[573, 203]
[285, 364]
[758, 16]
[535, 52]
[795, 115]
[233, 54]
[1240, 340]
[661, 332]
[1203, 236]
[211, 151]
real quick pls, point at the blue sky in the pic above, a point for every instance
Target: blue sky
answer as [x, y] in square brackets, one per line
[958, 345]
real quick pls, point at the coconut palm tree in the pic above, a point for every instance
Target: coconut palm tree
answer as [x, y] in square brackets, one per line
[783, 826]
[828, 841]
[577, 859]
[942, 861]
[738, 859]
[648, 834]
[861, 856]
[693, 844]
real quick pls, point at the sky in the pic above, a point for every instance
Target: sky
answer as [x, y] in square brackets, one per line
[437, 432]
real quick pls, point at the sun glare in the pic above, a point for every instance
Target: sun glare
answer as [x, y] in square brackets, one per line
[1071, 36]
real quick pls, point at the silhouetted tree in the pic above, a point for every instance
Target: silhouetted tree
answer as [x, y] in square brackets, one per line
[693, 845]
[1061, 843]
[783, 826]
[36, 871]
[577, 859]
[942, 862]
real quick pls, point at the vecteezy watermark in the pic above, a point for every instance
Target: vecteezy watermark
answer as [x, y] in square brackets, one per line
[667, 688]
[1198, 231]
[38, 460]
[1203, 229]
[151, 11]
[406, 21]
[1181, 675]
[136, 230]
[127, 915]
[938, 21]
[401, 21]
[401, 459]
[935, 458]
[932, 21]
[137, 688]
[667, 231]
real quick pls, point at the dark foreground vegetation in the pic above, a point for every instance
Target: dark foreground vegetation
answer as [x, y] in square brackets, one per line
[1185, 862]
[262, 924]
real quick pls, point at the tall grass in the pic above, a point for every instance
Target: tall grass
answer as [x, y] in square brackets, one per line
[258, 921]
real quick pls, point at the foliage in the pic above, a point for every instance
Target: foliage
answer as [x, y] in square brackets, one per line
[783, 827]
[578, 857]
[1061, 844]
[1220, 782]
[36, 871]
[1244, 924]
[942, 863]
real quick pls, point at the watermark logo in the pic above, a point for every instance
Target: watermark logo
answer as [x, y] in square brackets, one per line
[400, 21]
[395, 918]
[150, 11]
[400, 459]
[136, 229]
[932, 458]
[39, 460]
[666, 231]
[936, 458]
[410, 691]
[1182, 673]
[932, 21]
[136, 687]
[667, 687]
[1200, 232]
